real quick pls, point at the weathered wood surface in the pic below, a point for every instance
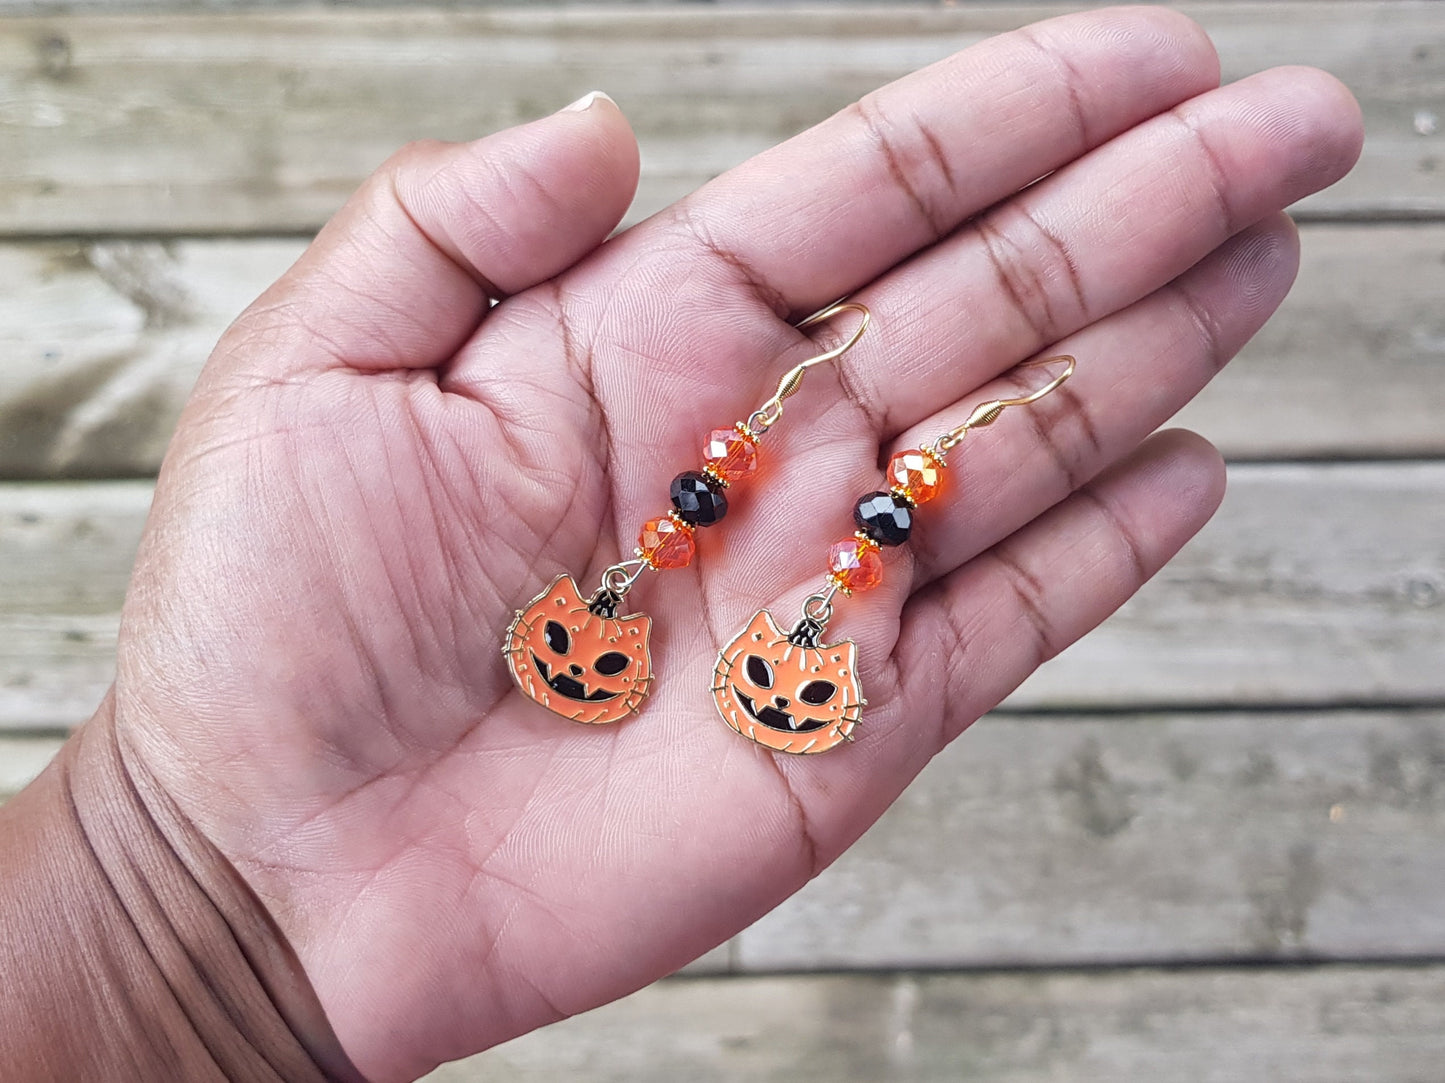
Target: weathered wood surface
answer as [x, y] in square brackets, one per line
[21, 759]
[103, 341]
[1334, 1025]
[264, 121]
[1262, 830]
[1049, 840]
[1316, 584]
[1142, 839]
[1353, 364]
[65, 557]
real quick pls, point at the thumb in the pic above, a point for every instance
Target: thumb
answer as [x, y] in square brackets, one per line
[405, 271]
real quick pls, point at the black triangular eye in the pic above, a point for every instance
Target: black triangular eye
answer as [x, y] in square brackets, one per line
[557, 637]
[817, 693]
[611, 664]
[759, 672]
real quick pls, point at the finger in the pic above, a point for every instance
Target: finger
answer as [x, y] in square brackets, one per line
[829, 210]
[1137, 369]
[1091, 239]
[1097, 236]
[1016, 605]
[403, 273]
[971, 638]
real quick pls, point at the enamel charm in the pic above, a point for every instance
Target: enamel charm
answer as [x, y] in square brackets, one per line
[793, 693]
[578, 658]
[788, 691]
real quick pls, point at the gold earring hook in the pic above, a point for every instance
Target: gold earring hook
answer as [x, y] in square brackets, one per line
[766, 415]
[986, 413]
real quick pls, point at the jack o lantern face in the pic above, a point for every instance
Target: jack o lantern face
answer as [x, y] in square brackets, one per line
[577, 661]
[785, 695]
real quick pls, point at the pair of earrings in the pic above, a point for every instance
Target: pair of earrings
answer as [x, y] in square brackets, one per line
[787, 691]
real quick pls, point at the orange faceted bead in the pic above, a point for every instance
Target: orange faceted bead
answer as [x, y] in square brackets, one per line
[666, 543]
[731, 454]
[854, 564]
[916, 474]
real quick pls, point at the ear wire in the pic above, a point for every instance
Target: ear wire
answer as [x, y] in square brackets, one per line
[766, 415]
[885, 517]
[618, 579]
[986, 413]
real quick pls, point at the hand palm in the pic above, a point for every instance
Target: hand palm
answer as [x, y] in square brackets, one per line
[371, 478]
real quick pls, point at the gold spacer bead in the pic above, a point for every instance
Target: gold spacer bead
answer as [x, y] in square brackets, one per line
[867, 542]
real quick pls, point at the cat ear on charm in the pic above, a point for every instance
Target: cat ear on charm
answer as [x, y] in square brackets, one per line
[641, 624]
[762, 629]
[562, 592]
[564, 586]
[577, 656]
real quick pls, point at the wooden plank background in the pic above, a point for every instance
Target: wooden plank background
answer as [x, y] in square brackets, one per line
[1205, 844]
[250, 139]
[1325, 1025]
[1315, 584]
[103, 340]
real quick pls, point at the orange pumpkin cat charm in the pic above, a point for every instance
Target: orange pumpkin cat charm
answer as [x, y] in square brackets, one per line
[788, 691]
[793, 693]
[578, 658]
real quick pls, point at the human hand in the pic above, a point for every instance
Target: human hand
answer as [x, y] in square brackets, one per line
[376, 470]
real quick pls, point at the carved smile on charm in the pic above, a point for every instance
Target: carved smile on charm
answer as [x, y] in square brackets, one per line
[580, 662]
[570, 686]
[765, 681]
[774, 718]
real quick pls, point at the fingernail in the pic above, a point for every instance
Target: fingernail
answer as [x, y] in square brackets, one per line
[584, 103]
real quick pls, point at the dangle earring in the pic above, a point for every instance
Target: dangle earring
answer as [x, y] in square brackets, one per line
[577, 657]
[791, 692]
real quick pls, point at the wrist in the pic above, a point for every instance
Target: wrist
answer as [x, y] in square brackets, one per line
[130, 948]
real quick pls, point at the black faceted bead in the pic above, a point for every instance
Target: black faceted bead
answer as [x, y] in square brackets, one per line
[885, 517]
[699, 499]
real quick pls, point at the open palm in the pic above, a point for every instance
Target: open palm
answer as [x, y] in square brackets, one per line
[377, 468]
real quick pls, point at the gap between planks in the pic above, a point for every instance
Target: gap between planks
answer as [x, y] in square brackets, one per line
[105, 339]
[1315, 584]
[1108, 842]
[262, 120]
[1323, 1025]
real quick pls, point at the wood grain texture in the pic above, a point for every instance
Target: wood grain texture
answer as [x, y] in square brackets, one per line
[1048, 840]
[264, 121]
[104, 339]
[1352, 365]
[1142, 839]
[21, 759]
[65, 558]
[1316, 584]
[983, 806]
[103, 342]
[1335, 1025]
